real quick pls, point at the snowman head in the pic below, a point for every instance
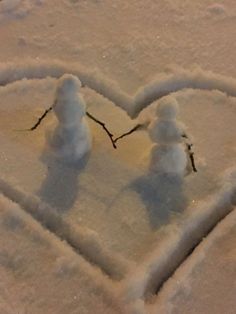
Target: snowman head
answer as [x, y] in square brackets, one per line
[167, 108]
[68, 85]
[69, 106]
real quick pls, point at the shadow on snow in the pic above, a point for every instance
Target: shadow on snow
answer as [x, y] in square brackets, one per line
[60, 187]
[162, 195]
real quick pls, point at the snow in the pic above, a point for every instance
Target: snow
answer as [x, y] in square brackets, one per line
[82, 239]
[205, 283]
[170, 159]
[168, 108]
[168, 154]
[181, 79]
[41, 273]
[164, 131]
[167, 83]
[107, 220]
[116, 231]
[71, 140]
[37, 69]
[68, 106]
[196, 221]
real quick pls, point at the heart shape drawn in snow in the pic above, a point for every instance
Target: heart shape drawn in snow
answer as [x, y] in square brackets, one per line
[182, 236]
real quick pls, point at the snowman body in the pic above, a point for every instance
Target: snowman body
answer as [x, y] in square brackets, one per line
[71, 138]
[168, 154]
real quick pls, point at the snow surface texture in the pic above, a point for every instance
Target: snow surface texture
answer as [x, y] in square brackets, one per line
[169, 159]
[189, 291]
[129, 42]
[197, 220]
[43, 273]
[168, 155]
[82, 239]
[166, 83]
[176, 241]
[71, 140]
[142, 279]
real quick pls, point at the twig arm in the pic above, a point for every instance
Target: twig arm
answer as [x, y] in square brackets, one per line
[43, 116]
[190, 152]
[104, 128]
[40, 119]
[135, 128]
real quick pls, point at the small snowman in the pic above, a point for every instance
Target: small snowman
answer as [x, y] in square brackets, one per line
[71, 139]
[168, 155]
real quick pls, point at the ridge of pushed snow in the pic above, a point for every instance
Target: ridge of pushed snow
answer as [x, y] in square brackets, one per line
[165, 84]
[39, 268]
[82, 239]
[181, 279]
[181, 237]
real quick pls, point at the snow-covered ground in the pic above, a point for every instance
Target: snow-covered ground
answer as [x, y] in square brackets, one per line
[40, 274]
[131, 228]
[206, 282]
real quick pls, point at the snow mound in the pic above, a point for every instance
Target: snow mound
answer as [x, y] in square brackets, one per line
[164, 85]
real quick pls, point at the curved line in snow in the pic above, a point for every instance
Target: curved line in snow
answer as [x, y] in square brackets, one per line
[83, 240]
[166, 83]
[179, 80]
[31, 69]
[169, 254]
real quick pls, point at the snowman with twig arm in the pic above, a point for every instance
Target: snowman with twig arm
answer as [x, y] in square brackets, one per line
[71, 139]
[171, 151]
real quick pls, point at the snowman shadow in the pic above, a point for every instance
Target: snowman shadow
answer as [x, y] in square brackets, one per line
[163, 195]
[61, 185]
[162, 188]
[67, 146]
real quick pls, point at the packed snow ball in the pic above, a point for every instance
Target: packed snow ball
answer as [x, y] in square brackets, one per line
[66, 84]
[168, 108]
[166, 131]
[170, 159]
[69, 105]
